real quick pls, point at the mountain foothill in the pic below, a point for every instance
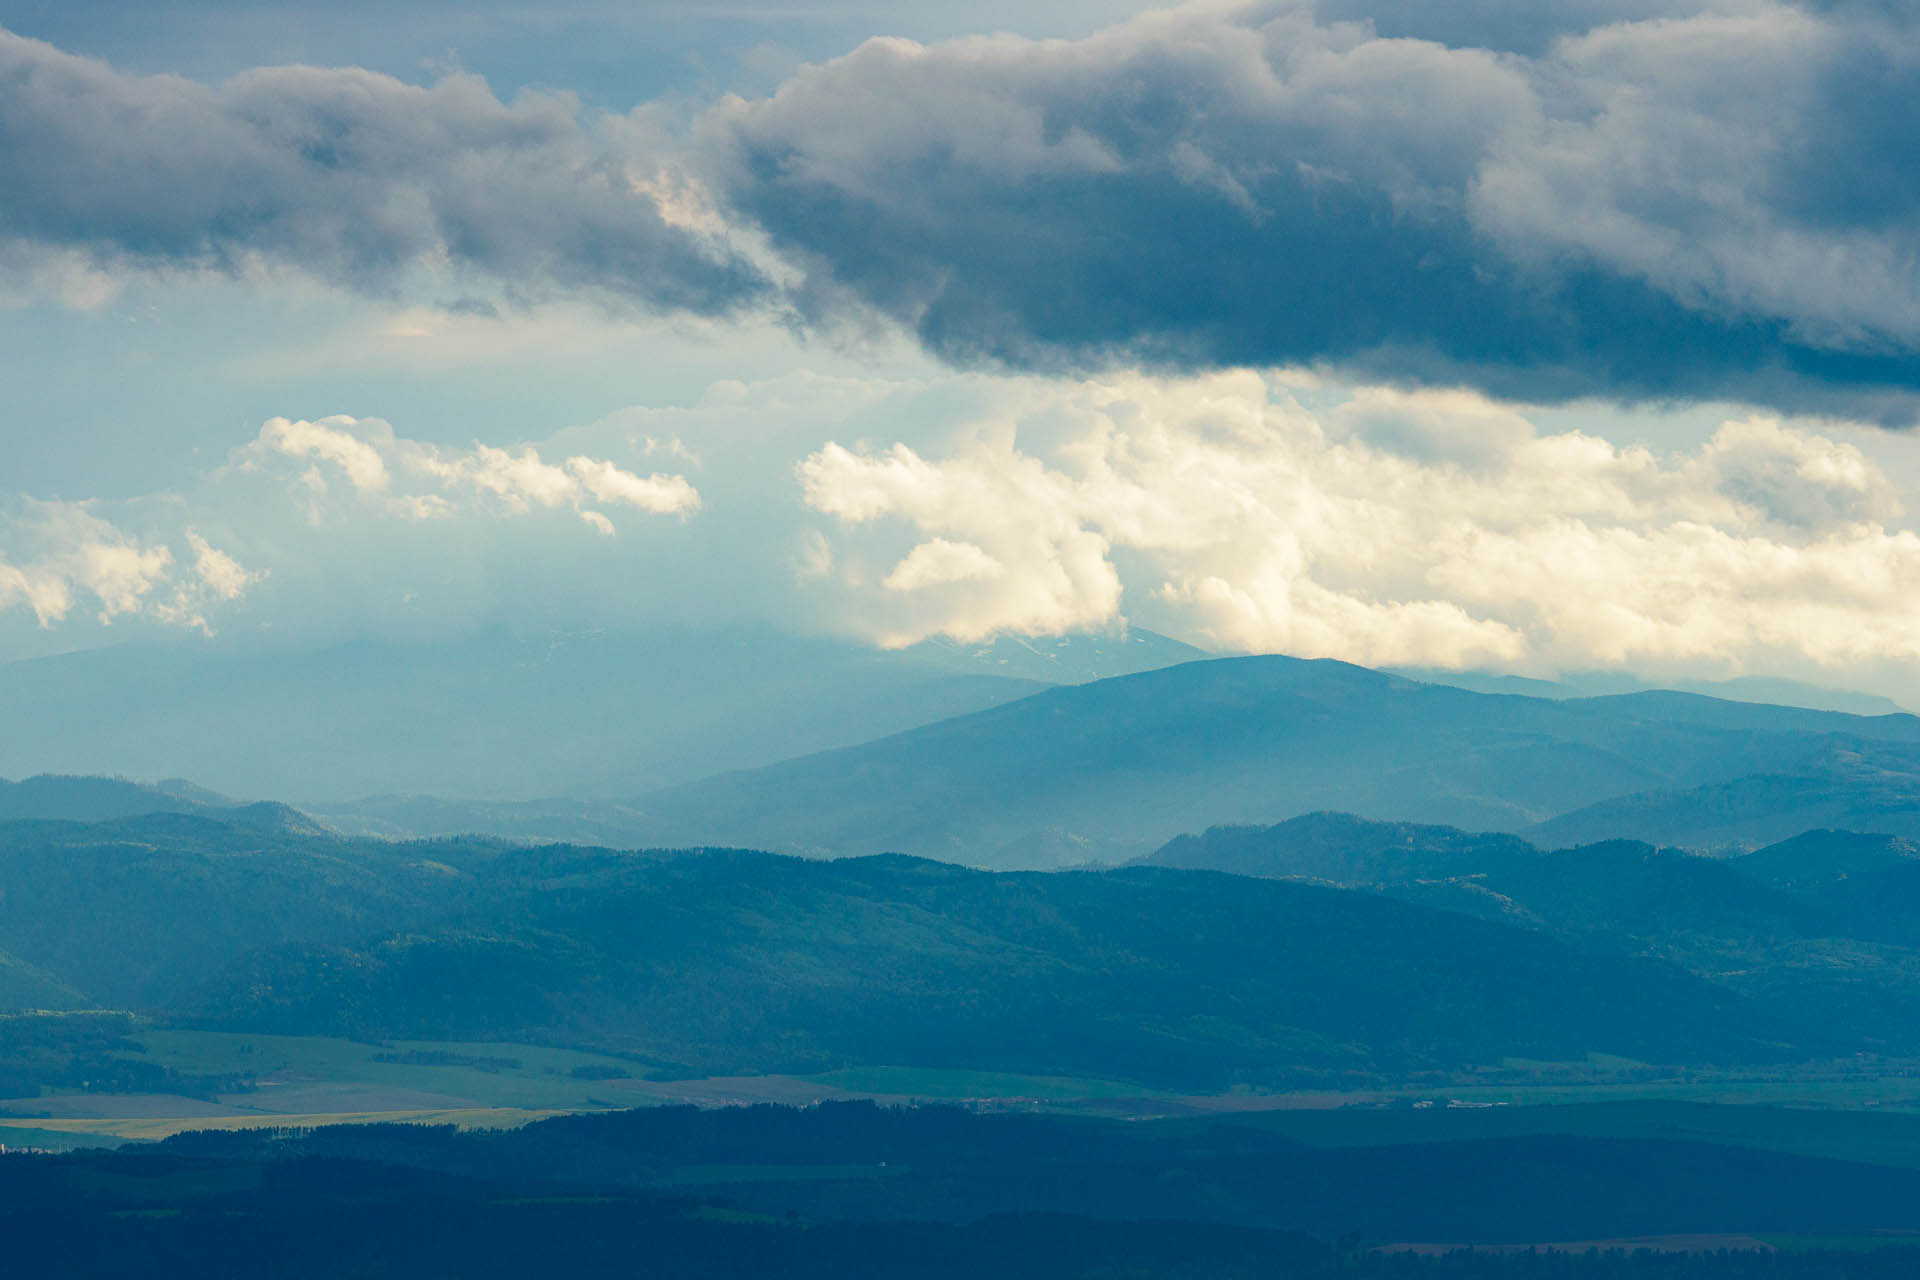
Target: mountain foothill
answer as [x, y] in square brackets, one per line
[1245, 873]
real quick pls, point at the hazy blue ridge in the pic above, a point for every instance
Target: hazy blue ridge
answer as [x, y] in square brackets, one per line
[1111, 770]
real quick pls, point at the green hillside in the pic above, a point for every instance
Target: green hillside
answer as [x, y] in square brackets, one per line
[728, 962]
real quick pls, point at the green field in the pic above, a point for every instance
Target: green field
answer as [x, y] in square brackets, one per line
[1860, 1111]
[289, 1070]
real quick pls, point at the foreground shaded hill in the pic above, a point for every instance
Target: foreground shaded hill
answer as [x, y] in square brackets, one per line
[855, 1190]
[1110, 770]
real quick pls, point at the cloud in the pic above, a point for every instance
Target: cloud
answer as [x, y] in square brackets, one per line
[1005, 510]
[368, 453]
[937, 562]
[343, 518]
[1629, 200]
[71, 553]
[1644, 200]
[349, 176]
[365, 469]
[1358, 532]
[1241, 510]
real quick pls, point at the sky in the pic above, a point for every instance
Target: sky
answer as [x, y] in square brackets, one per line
[1509, 336]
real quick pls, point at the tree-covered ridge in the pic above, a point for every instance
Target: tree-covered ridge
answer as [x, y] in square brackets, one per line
[723, 961]
[719, 962]
[938, 1192]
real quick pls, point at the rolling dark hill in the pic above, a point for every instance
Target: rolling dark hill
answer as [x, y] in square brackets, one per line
[138, 912]
[1642, 897]
[1342, 849]
[1111, 770]
[1451, 949]
[1816, 858]
[1819, 928]
[1630, 890]
[1881, 903]
[730, 962]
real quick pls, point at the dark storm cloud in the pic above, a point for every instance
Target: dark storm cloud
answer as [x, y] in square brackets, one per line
[1605, 197]
[1700, 205]
[349, 175]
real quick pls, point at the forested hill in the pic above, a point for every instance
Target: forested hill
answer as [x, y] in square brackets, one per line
[1420, 949]
[727, 961]
[722, 962]
[1826, 923]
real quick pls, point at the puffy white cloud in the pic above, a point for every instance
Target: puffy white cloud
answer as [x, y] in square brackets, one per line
[1020, 559]
[332, 442]
[657, 493]
[1242, 510]
[219, 573]
[369, 453]
[1434, 529]
[344, 516]
[938, 561]
[71, 553]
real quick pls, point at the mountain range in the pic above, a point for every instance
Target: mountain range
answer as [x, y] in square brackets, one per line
[1108, 771]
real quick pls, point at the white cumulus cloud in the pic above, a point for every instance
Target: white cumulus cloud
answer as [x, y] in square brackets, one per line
[1418, 528]
[368, 453]
[59, 554]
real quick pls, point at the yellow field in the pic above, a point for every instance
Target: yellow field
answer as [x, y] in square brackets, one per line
[152, 1128]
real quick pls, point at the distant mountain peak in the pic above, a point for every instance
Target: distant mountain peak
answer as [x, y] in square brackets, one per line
[1074, 658]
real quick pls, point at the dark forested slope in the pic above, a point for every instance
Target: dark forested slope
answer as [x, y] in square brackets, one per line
[729, 961]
